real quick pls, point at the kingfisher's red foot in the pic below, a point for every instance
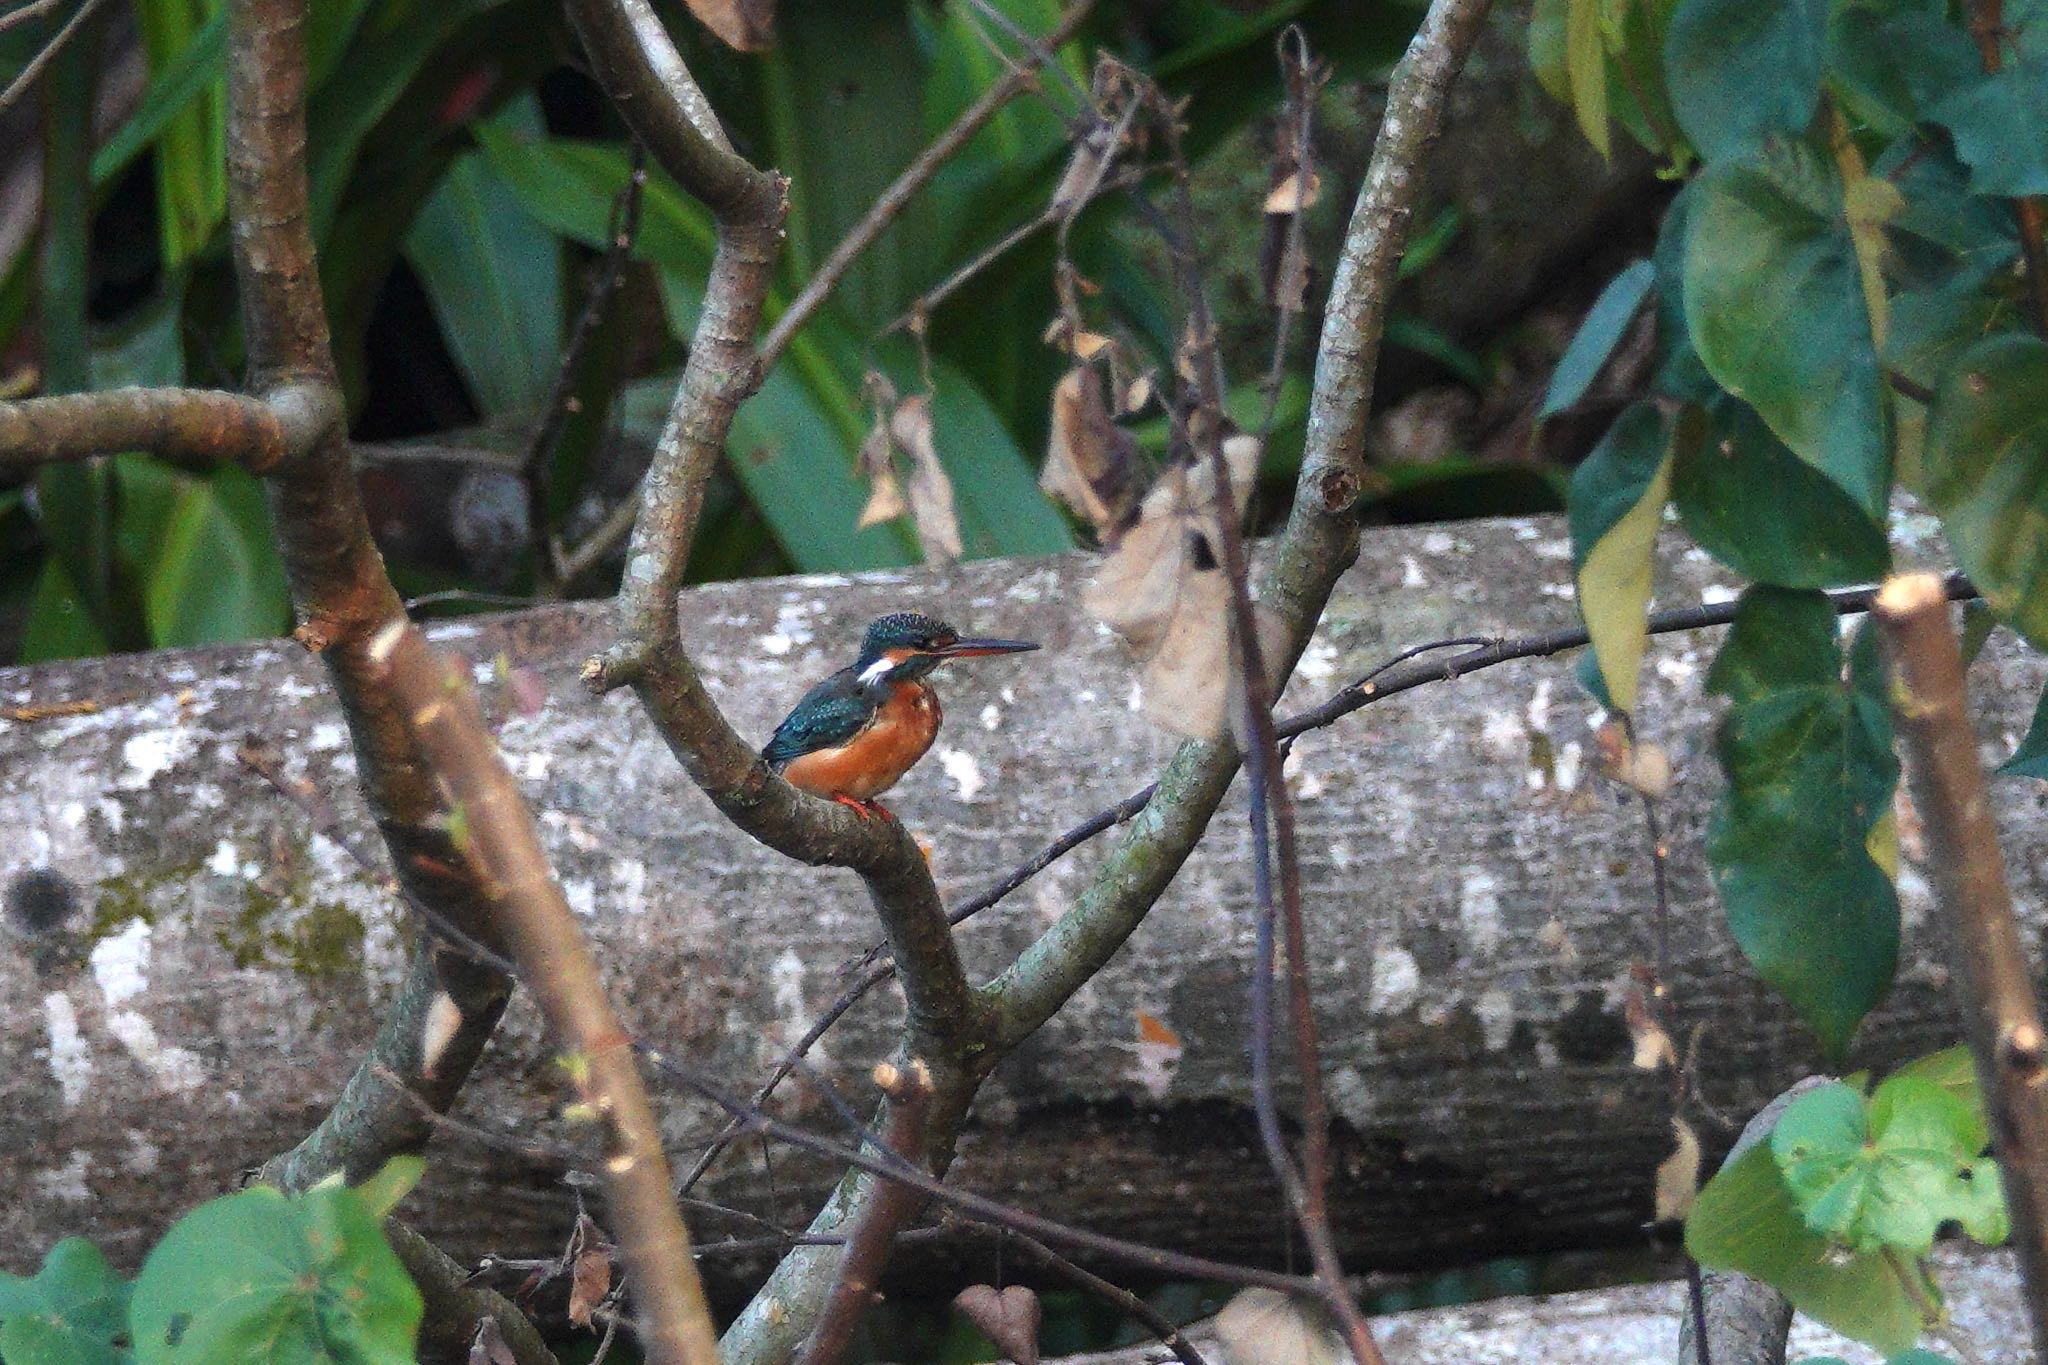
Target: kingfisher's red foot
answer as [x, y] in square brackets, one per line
[867, 810]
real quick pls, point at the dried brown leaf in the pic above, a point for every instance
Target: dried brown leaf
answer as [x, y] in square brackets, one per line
[930, 491]
[746, 25]
[1290, 196]
[1009, 1316]
[1654, 1049]
[590, 1283]
[1091, 464]
[1088, 345]
[878, 466]
[1267, 1327]
[1678, 1175]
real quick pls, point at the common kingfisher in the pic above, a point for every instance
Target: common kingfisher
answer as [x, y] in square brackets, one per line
[857, 732]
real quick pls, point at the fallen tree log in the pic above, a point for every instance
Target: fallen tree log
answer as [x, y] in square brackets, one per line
[193, 973]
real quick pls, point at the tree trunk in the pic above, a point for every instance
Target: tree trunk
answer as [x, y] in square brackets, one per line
[193, 972]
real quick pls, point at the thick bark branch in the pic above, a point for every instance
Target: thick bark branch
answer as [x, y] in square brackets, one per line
[193, 428]
[1931, 703]
[502, 844]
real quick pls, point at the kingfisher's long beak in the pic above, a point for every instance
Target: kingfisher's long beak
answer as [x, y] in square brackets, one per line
[969, 649]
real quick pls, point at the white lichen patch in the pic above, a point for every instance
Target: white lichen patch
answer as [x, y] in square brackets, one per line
[1136, 701]
[1717, 594]
[145, 755]
[1503, 732]
[1318, 662]
[793, 1016]
[1438, 543]
[1411, 573]
[991, 717]
[1158, 1056]
[70, 1059]
[1495, 1009]
[175, 1068]
[67, 1182]
[224, 863]
[1678, 669]
[327, 736]
[120, 963]
[1553, 549]
[629, 885]
[1539, 706]
[142, 1157]
[1479, 909]
[1570, 766]
[965, 772]
[581, 895]
[1396, 979]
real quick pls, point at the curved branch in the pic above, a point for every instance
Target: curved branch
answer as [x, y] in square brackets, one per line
[192, 428]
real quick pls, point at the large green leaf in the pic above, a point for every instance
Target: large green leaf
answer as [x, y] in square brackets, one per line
[1763, 511]
[201, 548]
[1776, 308]
[1985, 467]
[173, 85]
[1888, 60]
[1616, 504]
[191, 145]
[262, 1276]
[2000, 124]
[1933, 327]
[1889, 1173]
[1745, 1220]
[1808, 758]
[1741, 72]
[570, 186]
[494, 278]
[74, 1312]
[2031, 758]
[1597, 337]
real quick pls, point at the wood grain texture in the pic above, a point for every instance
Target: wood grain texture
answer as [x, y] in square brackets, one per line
[188, 975]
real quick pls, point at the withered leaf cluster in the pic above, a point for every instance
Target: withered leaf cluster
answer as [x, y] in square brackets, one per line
[905, 426]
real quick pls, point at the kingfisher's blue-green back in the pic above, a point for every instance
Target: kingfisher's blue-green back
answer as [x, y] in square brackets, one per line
[829, 715]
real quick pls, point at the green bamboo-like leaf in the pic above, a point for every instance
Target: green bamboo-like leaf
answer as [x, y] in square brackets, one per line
[1585, 64]
[265, 1276]
[1597, 337]
[494, 278]
[1742, 72]
[1808, 758]
[570, 186]
[74, 1311]
[1745, 1220]
[191, 144]
[1617, 501]
[1985, 468]
[1775, 305]
[2000, 124]
[1764, 512]
[174, 84]
[201, 549]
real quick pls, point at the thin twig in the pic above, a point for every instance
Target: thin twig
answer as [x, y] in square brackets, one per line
[35, 9]
[498, 837]
[34, 70]
[909, 1092]
[1930, 701]
[914, 178]
[537, 466]
[1115, 1295]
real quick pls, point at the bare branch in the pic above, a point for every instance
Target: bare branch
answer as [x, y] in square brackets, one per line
[909, 1092]
[1931, 703]
[29, 74]
[1170, 1336]
[502, 844]
[193, 428]
[455, 1308]
[914, 178]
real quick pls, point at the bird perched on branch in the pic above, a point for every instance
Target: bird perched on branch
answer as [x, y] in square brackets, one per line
[857, 732]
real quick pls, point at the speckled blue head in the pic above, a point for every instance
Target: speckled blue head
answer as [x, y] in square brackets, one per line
[912, 644]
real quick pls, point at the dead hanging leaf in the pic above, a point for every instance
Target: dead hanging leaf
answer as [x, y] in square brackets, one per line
[1654, 1049]
[592, 1269]
[1641, 764]
[1267, 1327]
[1678, 1175]
[931, 492]
[745, 25]
[1290, 195]
[1088, 345]
[1164, 590]
[1091, 463]
[1010, 1317]
[878, 466]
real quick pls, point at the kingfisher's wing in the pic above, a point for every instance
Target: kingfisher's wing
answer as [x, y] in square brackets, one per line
[829, 715]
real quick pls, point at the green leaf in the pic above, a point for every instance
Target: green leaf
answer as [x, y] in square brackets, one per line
[1985, 467]
[569, 185]
[494, 278]
[1887, 60]
[1617, 502]
[60, 625]
[201, 547]
[1597, 337]
[176, 83]
[1742, 72]
[1952, 1069]
[261, 1276]
[1932, 327]
[2031, 758]
[1776, 308]
[1764, 512]
[1585, 62]
[73, 1312]
[1810, 774]
[1888, 1174]
[1679, 372]
[392, 1182]
[191, 145]
[2000, 124]
[1745, 1221]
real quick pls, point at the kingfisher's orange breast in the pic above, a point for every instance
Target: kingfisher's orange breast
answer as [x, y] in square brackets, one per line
[885, 748]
